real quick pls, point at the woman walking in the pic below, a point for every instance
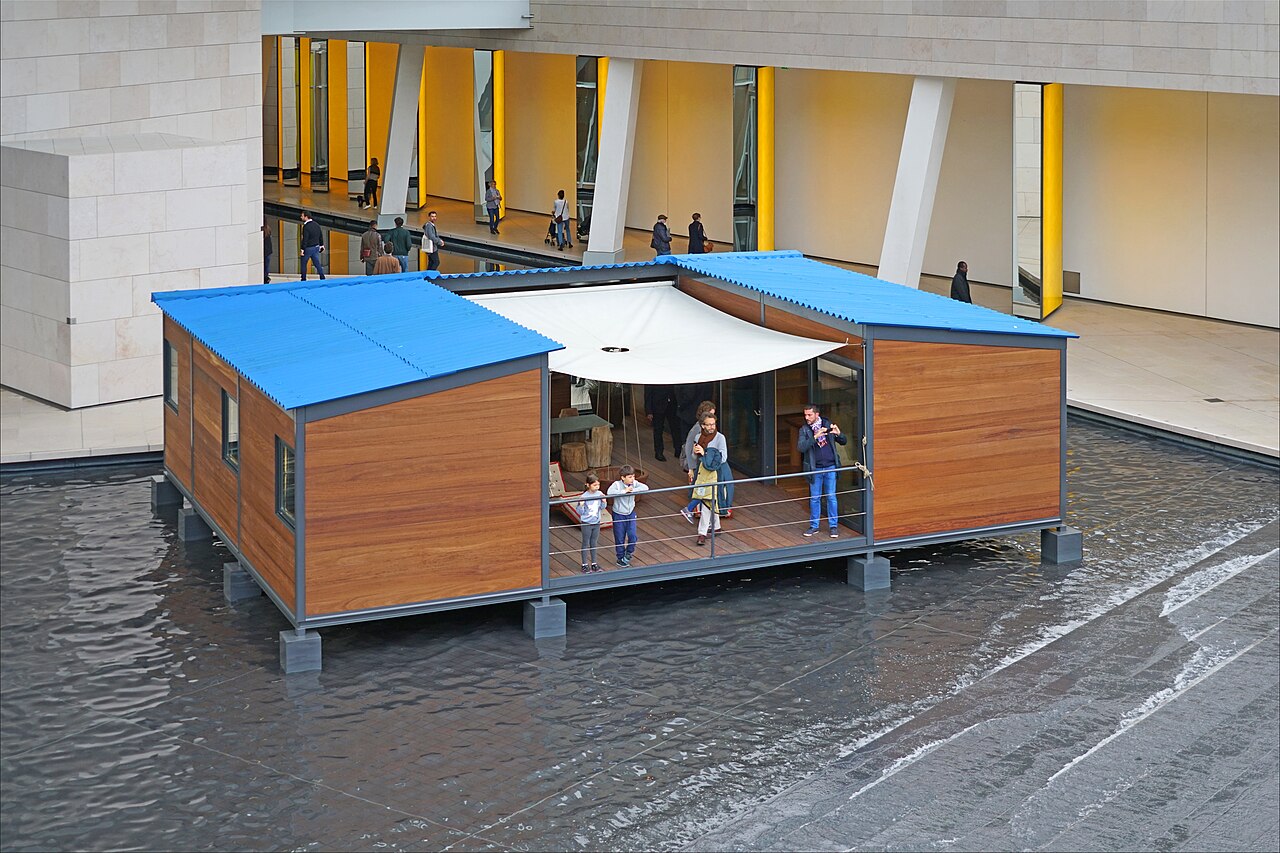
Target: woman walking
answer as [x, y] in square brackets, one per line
[560, 215]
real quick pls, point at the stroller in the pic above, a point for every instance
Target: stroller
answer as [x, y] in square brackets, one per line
[551, 237]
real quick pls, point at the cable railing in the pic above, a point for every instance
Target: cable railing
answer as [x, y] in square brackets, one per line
[755, 521]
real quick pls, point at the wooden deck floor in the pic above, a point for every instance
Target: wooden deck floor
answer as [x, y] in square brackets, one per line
[764, 517]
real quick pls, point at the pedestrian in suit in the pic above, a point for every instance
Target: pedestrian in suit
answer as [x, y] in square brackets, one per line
[660, 409]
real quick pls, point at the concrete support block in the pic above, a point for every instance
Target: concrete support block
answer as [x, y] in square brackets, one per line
[191, 527]
[544, 618]
[163, 493]
[299, 651]
[869, 572]
[237, 584]
[1061, 545]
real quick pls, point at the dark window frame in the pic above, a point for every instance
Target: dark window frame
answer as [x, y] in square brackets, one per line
[287, 514]
[230, 449]
[170, 383]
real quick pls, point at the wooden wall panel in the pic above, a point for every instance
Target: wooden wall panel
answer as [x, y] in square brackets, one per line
[736, 305]
[265, 540]
[781, 321]
[177, 425]
[215, 482]
[410, 502]
[964, 436]
[744, 307]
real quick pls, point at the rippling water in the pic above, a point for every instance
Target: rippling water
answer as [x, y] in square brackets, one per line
[140, 711]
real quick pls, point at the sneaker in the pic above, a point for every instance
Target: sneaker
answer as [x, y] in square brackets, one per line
[623, 562]
[835, 535]
[813, 532]
[595, 567]
[688, 516]
[702, 540]
[585, 568]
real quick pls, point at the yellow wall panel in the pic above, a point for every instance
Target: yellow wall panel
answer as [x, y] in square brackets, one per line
[337, 117]
[541, 131]
[379, 83]
[448, 143]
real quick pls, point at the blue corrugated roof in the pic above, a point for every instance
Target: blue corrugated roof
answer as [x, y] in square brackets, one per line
[845, 294]
[306, 343]
[855, 297]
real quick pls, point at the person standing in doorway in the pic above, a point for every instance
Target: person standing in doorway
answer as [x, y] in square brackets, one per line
[817, 441]
[268, 249]
[660, 410]
[661, 242]
[697, 236]
[560, 215]
[371, 176]
[960, 283]
[432, 243]
[492, 204]
[312, 245]
[370, 247]
[401, 242]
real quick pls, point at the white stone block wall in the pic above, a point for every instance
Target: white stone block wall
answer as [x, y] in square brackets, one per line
[104, 203]
[120, 68]
[91, 227]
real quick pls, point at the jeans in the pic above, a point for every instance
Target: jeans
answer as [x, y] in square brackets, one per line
[493, 218]
[371, 193]
[590, 536]
[266, 270]
[369, 264]
[404, 262]
[562, 233]
[624, 534]
[311, 253]
[433, 261]
[823, 482]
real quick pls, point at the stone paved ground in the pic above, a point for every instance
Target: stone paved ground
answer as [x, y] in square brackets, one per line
[984, 703]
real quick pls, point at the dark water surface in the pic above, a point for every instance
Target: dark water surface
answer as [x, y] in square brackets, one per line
[985, 702]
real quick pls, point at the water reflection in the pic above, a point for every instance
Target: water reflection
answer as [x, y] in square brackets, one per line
[342, 253]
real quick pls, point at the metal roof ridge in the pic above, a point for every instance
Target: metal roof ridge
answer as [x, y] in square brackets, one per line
[278, 287]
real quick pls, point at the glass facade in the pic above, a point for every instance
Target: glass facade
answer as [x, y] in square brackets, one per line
[588, 137]
[745, 157]
[319, 168]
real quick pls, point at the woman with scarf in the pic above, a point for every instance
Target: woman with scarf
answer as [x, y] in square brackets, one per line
[709, 453]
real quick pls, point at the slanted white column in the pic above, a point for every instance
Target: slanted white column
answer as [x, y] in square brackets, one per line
[404, 122]
[613, 173]
[923, 142]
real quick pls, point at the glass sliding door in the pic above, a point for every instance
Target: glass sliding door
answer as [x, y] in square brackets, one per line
[745, 157]
[588, 137]
[482, 117]
[742, 422]
[290, 129]
[837, 392]
[356, 161]
[319, 115]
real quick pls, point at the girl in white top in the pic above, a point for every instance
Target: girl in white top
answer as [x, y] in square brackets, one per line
[589, 514]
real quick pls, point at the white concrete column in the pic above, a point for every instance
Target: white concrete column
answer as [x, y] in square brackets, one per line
[923, 142]
[613, 172]
[404, 123]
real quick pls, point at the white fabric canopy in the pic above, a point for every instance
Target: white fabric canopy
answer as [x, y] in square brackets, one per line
[666, 337]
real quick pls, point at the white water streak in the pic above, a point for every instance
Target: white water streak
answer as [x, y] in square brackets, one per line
[1157, 701]
[1205, 580]
[906, 761]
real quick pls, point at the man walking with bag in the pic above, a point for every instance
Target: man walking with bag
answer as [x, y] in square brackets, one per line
[431, 242]
[370, 247]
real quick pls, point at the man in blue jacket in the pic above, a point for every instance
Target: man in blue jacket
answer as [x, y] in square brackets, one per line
[817, 441]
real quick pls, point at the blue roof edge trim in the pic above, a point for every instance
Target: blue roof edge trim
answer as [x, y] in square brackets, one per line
[160, 296]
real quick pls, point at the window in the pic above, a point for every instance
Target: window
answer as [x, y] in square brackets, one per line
[230, 430]
[170, 376]
[285, 479]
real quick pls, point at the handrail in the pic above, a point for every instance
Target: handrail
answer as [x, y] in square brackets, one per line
[857, 466]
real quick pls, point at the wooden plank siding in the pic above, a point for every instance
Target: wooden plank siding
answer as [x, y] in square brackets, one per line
[747, 307]
[216, 483]
[177, 425]
[412, 502]
[964, 436]
[266, 541]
